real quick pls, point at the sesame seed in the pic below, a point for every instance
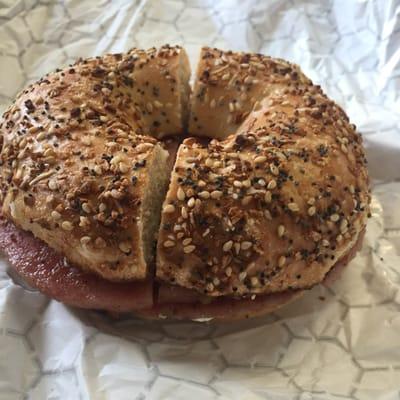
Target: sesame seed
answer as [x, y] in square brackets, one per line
[98, 170]
[184, 213]
[227, 246]
[242, 276]
[281, 230]
[271, 184]
[55, 215]
[180, 194]
[213, 103]
[293, 207]
[246, 245]
[281, 261]
[102, 207]
[206, 232]
[85, 240]
[246, 183]
[180, 235]
[158, 104]
[274, 169]
[191, 202]
[226, 76]
[116, 194]
[204, 194]
[189, 249]
[267, 197]
[311, 211]
[311, 201]
[67, 226]
[339, 238]
[86, 207]
[231, 107]
[149, 107]
[209, 162]
[237, 184]
[268, 215]
[260, 159]
[169, 208]
[216, 281]
[33, 129]
[334, 217]
[106, 91]
[261, 182]
[116, 159]
[169, 243]
[53, 185]
[228, 271]
[22, 143]
[325, 243]
[186, 241]
[83, 221]
[123, 168]
[343, 226]
[125, 247]
[216, 194]
[254, 281]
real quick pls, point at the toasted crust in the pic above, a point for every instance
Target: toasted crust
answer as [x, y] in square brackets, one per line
[76, 157]
[270, 208]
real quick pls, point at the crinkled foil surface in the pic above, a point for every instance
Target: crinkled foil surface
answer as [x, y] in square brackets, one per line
[342, 342]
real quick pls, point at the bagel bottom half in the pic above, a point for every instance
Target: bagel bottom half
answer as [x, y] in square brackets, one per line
[46, 270]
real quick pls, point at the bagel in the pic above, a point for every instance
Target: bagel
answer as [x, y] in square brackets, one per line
[227, 202]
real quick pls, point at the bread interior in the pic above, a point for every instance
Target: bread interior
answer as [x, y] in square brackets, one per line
[184, 89]
[155, 192]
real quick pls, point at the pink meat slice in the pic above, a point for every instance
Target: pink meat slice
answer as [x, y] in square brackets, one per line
[46, 270]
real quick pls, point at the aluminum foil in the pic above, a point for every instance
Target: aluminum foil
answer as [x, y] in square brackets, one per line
[341, 342]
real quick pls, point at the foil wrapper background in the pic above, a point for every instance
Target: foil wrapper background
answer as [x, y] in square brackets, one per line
[337, 342]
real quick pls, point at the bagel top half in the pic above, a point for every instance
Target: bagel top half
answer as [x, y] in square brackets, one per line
[274, 197]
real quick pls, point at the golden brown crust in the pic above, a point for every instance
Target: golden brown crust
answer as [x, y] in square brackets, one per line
[76, 157]
[270, 208]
